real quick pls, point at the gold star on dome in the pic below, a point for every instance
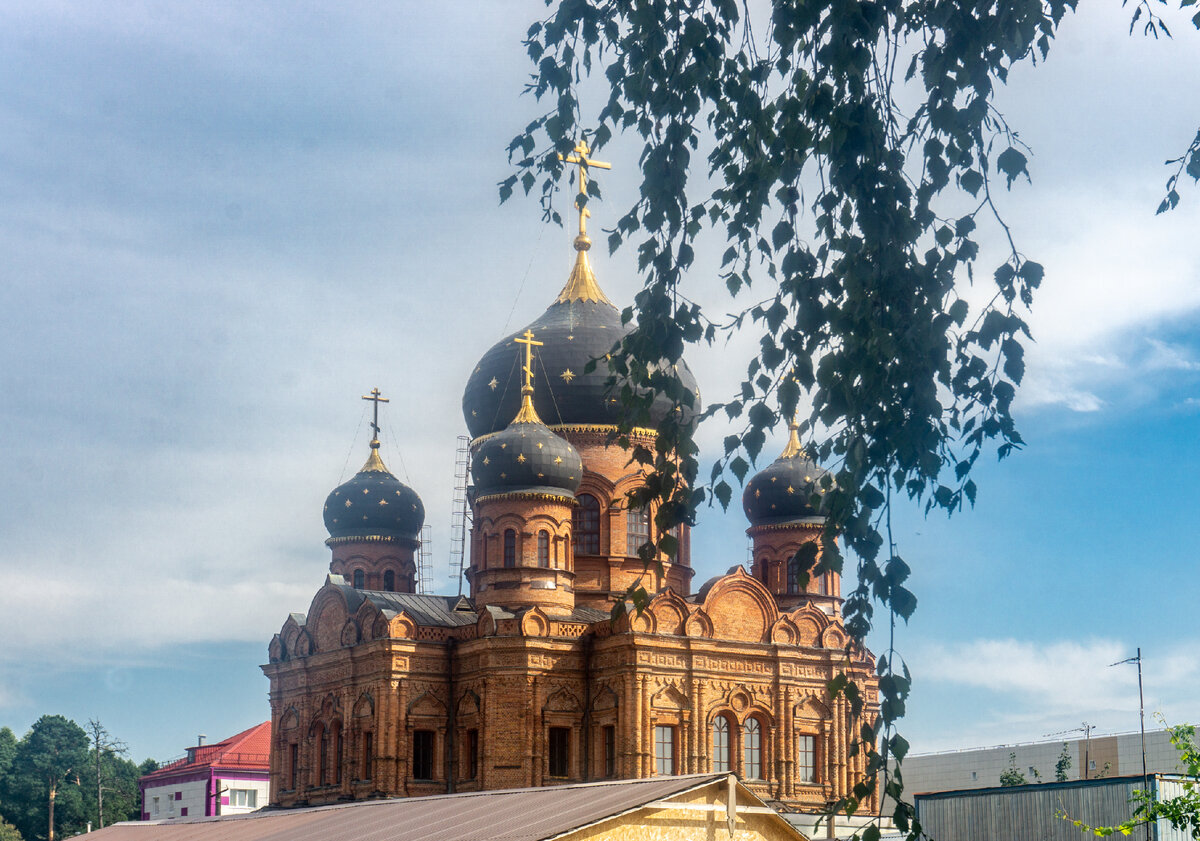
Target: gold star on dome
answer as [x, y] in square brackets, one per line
[399, 494]
[335, 519]
[492, 385]
[486, 460]
[503, 475]
[383, 502]
[757, 493]
[414, 506]
[348, 503]
[477, 370]
[520, 458]
[773, 478]
[366, 490]
[540, 445]
[567, 375]
[541, 475]
[570, 338]
[364, 516]
[791, 490]
[474, 414]
[504, 446]
[558, 459]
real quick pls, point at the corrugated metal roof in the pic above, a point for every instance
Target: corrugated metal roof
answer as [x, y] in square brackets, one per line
[529, 814]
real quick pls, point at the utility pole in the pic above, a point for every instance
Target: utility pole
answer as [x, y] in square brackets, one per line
[1141, 720]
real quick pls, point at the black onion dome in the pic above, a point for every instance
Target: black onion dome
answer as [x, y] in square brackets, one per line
[581, 325]
[527, 458]
[373, 505]
[782, 492]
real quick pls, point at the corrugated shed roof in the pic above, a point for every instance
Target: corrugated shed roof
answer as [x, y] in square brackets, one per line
[530, 814]
[249, 749]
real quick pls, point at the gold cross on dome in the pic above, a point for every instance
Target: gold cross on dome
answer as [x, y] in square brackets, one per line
[376, 397]
[527, 340]
[585, 163]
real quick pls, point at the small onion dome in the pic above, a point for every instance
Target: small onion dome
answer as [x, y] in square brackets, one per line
[782, 492]
[373, 505]
[526, 458]
[581, 325]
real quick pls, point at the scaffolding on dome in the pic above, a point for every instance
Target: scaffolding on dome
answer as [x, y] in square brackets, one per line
[460, 511]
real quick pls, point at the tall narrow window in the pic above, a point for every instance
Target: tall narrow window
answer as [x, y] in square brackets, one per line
[359, 579]
[368, 750]
[559, 751]
[806, 760]
[610, 750]
[422, 755]
[586, 525]
[664, 750]
[323, 764]
[510, 548]
[793, 577]
[752, 750]
[294, 765]
[720, 744]
[637, 529]
[389, 581]
[472, 754]
[544, 548]
[337, 754]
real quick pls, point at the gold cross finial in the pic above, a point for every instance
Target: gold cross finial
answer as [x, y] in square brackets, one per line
[585, 163]
[527, 340]
[526, 413]
[376, 397]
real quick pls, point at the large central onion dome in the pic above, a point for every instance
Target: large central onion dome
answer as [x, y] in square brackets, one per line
[373, 505]
[581, 325]
[783, 491]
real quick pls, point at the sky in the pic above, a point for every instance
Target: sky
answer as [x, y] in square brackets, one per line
[223, 223]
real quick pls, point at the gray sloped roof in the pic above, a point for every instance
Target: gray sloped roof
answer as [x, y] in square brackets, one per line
[425, 610]
[530, 814]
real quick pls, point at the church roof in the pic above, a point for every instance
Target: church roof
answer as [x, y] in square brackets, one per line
[429, 610]
[529, 814]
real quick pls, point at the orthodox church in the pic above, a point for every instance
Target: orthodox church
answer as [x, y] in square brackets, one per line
[528, 680]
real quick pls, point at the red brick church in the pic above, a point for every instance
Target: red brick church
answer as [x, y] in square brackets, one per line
[379, 690]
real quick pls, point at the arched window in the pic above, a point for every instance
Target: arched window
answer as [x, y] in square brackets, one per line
[720, 744]
[752, 750]
[544, 548]
[510, 548]
[637, 529]
[338, 748]
[587, 525]
[819, 585]
[359, 579]
[793, 577]
[389, 581]
[322, 739]
[483, 552]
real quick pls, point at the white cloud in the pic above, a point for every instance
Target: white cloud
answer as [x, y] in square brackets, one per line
[1032, 688]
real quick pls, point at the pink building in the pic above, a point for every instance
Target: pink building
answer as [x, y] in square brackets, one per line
[229, 777]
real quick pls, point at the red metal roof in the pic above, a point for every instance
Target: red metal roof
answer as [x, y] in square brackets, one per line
[530, 814]
[248, 750]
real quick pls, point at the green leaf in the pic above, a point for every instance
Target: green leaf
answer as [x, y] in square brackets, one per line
[1012, 162]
